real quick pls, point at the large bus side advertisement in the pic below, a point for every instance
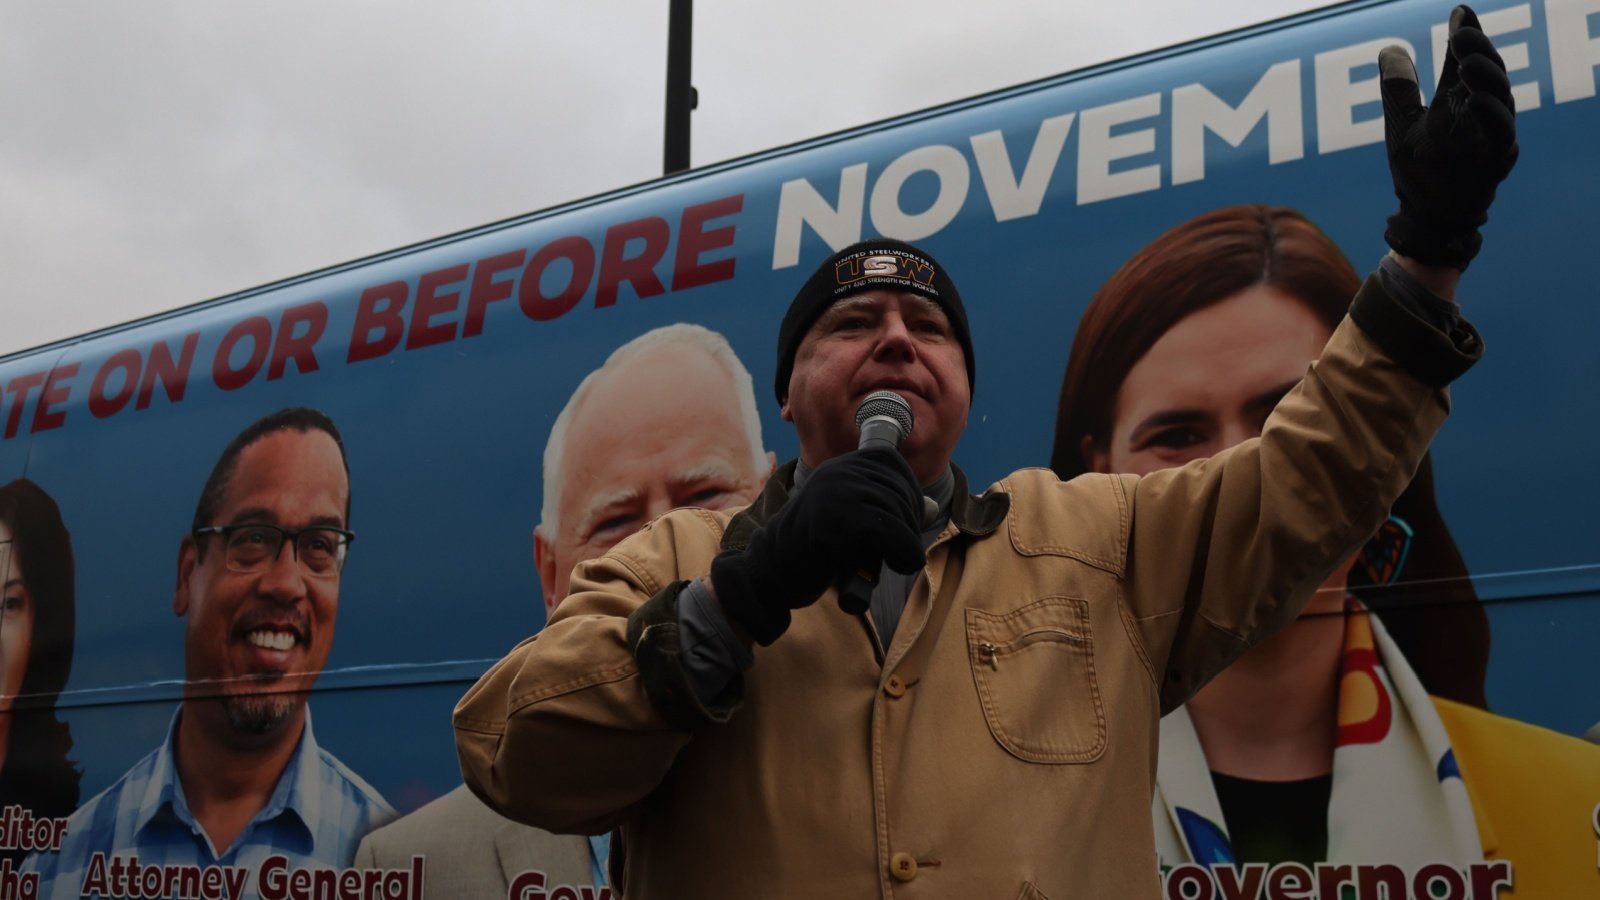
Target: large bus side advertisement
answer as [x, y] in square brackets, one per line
[441, 433]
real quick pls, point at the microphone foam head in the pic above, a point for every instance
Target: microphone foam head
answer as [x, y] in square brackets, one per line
[886, 403]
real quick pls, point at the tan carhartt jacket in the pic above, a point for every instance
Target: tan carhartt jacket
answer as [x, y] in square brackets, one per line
[1004, 745]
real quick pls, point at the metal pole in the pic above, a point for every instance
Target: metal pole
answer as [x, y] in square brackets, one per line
[680, 93]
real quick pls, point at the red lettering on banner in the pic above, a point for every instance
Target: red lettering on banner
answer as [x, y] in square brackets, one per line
[384, 319]
[1380, 881]
[298, 347]
[1331, 877]
[95, 881]
[531, 885]
[114, 382]
[55, 391]
[616, 266]
[395, 885]
[531, 297]
[270, 878]
[629, 254]
[223, 373]
[103, 404]
[1232, 888]
[1182, 877]
[1427, 877]
[1489, 876]
[173, 374]
[694, 241]
[277, 881]
[527, 885]
[19, 388]
[1290, 881]
[430, 303]
[19, 885]
[214, 882]
[127, 877]
[486, 290]
[19, 830]
[1330, 881]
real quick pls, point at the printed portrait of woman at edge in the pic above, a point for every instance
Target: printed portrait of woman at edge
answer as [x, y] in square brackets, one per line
[1345, 737]
[36, 636]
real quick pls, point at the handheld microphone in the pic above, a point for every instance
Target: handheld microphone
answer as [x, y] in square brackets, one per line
[884, 420]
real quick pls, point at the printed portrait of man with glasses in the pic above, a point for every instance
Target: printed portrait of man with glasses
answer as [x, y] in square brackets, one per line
[240, 776]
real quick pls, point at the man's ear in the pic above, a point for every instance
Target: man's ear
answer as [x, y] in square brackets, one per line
[1094, 458]
[783, 409]
[544, 559]
[188, 557]
[772, 463]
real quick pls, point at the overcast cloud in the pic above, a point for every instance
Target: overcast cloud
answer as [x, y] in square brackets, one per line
[159, 153]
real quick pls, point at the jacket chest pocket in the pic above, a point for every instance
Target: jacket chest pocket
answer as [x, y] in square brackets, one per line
[1034, 669]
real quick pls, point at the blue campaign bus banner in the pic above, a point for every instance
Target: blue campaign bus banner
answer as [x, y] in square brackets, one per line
[461, 375]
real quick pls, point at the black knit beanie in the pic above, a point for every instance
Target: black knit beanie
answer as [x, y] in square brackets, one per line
[877, 263]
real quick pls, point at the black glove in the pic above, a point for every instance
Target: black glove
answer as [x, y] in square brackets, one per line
[1447, 158]
[855, 512]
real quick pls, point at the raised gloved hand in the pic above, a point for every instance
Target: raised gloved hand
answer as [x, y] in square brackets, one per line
[1447, 158]
[855, 512]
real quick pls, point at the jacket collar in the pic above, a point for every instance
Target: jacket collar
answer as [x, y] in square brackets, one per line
[974, 516]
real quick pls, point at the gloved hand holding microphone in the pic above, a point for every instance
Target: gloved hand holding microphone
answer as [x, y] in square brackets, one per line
[854, 513]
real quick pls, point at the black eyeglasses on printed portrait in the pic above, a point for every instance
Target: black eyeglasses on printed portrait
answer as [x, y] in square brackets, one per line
[253, 547]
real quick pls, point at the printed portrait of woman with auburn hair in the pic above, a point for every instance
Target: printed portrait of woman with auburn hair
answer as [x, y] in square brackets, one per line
[36, 632]
[1357, 734]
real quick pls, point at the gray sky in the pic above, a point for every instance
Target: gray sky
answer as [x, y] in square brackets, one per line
[159, 153]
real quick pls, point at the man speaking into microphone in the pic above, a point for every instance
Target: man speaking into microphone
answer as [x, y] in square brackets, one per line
[987, 726]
